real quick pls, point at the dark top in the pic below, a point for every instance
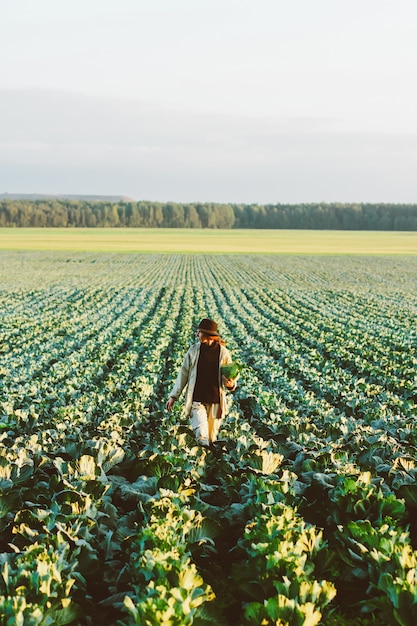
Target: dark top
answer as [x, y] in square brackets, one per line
[206, 388]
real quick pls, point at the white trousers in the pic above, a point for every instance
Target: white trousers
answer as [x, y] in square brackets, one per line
[204, 422]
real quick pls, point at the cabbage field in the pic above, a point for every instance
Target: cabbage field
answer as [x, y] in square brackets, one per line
[304, 514]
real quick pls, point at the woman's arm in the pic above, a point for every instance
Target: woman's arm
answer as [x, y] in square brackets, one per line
[180, 383]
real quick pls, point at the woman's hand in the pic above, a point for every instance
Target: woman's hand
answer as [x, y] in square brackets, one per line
[170, 403]
[228, 383]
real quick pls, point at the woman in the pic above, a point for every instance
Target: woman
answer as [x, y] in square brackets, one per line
[205, 397]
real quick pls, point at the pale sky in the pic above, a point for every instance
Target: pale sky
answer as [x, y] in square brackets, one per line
[210, 100]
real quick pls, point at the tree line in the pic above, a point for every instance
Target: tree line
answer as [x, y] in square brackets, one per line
[59, 213]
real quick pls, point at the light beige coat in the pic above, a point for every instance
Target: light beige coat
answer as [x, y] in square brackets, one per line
[188, 375]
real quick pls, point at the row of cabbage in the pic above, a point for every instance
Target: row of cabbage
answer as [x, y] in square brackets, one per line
[110, 514]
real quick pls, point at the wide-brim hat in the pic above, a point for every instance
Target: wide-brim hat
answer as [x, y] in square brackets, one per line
[209, 327]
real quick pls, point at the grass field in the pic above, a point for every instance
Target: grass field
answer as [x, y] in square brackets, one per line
[209, 241]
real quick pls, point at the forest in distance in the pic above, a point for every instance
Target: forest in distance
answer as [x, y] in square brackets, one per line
[68, 213]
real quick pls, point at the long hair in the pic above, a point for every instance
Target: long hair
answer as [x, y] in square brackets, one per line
[215, 338]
